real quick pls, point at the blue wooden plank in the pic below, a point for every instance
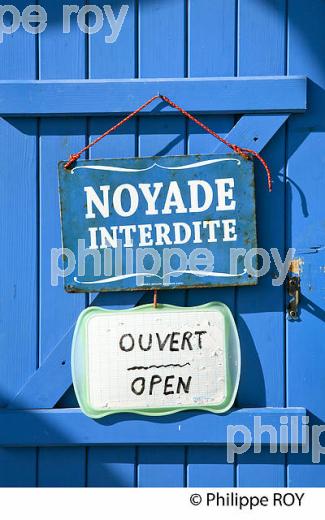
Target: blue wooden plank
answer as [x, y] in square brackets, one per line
[62, 55]
[58, 311]
[68, 427]
[111, 467]
[266, 59]
[19, 336]
[212, 26]
[18, 467]
[161, 39]
[162, 52]
[61, 467]
[18, 51]
[117, 467]
[197, 95]
[262, 37]
[116, 59]
[253, 131]
[207, 466]
[306, 138]
[211, 29]
[261, 470]
[260, 313]
[161, 466]
[19, 237]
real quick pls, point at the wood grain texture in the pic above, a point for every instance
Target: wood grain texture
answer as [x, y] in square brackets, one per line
[66, 427]
[189, 51]
[58, 312]
[207, 465]
[261, 313]
[162, 57]
[107, 466]
[304, 223]
[196, 95]
[19, 239]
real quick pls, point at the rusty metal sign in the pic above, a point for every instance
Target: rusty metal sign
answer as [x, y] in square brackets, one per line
[157, 222]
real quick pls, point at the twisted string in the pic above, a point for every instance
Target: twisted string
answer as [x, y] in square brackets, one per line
[243, 152]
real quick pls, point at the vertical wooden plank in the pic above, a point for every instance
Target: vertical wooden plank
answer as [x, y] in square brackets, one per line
[261, 38]
[261, 470]
[161, 466]
[211, 38]
[60, 56]
[18, 467]
[68, 471]
[113, 467]
[18, 58]
[162, 51]
[211, 33]
[162, 45]
[19, 234]
[19, 237]
[260, 310]
[117, 59]
[207, 466]
[305, 232]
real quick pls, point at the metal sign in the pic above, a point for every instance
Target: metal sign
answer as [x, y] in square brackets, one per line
[155, 361]
[157, 222]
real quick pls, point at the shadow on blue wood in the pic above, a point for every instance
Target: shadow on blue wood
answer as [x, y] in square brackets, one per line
[71, 426]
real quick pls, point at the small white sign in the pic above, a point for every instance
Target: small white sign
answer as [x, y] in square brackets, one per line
[159, 359]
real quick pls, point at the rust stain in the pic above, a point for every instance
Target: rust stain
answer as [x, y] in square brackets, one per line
[295, 266]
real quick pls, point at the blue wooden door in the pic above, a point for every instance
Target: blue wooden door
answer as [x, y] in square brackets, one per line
[52, 445]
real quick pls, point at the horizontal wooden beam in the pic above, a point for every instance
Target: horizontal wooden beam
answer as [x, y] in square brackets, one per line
[71, 427]
[197, 95]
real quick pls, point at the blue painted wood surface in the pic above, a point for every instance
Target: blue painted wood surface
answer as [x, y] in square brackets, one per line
[117, 97]
[107, 466]
[210, 39]
[261, 316]
[158, 59]
[304, 227]
[211, 24]
[19, 302]
[60, 427]
[57, 313]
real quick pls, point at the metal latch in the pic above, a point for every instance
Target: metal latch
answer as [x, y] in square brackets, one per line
[293, 286]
